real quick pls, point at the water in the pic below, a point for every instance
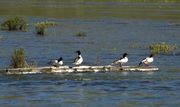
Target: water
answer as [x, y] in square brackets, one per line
[108, 36]
[91, 89]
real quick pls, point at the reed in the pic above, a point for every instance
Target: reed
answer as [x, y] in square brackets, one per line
[162, 48]
[15, 23]
[42, 26]
[18, 58]
[81, 34]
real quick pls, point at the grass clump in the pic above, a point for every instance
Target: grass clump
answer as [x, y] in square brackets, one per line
[42, 26]
[18, 59]
[162, 48]
[15, 23]
[81, 34]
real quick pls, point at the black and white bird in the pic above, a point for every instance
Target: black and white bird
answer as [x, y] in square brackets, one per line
[122, 60]
[58, 62]
[79, 59]
[146, 61]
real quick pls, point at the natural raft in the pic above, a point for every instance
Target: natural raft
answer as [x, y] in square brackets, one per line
[67, 69]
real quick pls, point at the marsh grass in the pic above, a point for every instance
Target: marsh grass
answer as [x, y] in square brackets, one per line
[81, 34]
[18, 59]
[42, 26]
[14, 24]
[162, 48]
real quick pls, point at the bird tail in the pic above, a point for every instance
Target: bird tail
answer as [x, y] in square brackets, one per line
[140, 63]
[114, 62]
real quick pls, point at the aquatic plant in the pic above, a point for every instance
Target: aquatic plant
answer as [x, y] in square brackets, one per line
[114, 49]
[15, 23]
[18, 59]
[81, 34]
[135, 46]
[42, 26]
[162, 48]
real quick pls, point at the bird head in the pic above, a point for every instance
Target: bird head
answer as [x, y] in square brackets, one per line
[124, 55]
[78, 52]
[151, 55]
[60, 59]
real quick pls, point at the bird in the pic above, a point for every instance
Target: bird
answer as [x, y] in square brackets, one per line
[58, 62]
[146, 61]
[79, 59]
[122, 60]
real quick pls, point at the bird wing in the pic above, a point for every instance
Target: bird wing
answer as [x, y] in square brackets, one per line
[117, 61]
[144, 60]
[76, 59]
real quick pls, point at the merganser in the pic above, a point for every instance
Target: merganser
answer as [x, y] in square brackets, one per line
[78, 60]
[122, 60]
[146, 61]
[58, 62]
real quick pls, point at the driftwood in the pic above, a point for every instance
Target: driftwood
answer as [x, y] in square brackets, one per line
[67, 69]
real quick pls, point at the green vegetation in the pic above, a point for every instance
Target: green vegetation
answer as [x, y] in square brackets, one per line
[42, 26]
[162, 48]
[81, 34]
[18, 59]
[135, 45]
[15, 23]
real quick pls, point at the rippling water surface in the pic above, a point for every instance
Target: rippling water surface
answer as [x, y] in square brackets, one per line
[91, 89]
[112, 28]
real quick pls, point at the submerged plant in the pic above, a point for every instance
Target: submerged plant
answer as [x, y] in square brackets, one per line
[18, 59]
[81, 34]
[16, 23]
[135, 46]
[42, 26]
[163, 48]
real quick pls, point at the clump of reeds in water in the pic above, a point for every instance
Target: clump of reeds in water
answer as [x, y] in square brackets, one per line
[18, 59]
[42, 26]
[81, 34]
[162, 48]
[15, 23]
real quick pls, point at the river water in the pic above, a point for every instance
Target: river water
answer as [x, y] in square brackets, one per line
[112, 28]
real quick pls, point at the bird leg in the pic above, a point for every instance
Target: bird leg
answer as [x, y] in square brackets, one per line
[120, 65]
[146, 65]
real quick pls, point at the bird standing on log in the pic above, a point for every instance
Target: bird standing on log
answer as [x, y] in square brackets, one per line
[78, 60]
[146, 61]
[58, 62]
[122, 60]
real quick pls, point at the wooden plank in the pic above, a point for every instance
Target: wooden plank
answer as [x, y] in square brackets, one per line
[67, 69]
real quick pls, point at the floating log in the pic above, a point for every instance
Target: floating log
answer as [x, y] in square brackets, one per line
[67, 69]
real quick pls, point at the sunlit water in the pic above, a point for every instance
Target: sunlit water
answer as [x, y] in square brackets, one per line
[107, 39]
